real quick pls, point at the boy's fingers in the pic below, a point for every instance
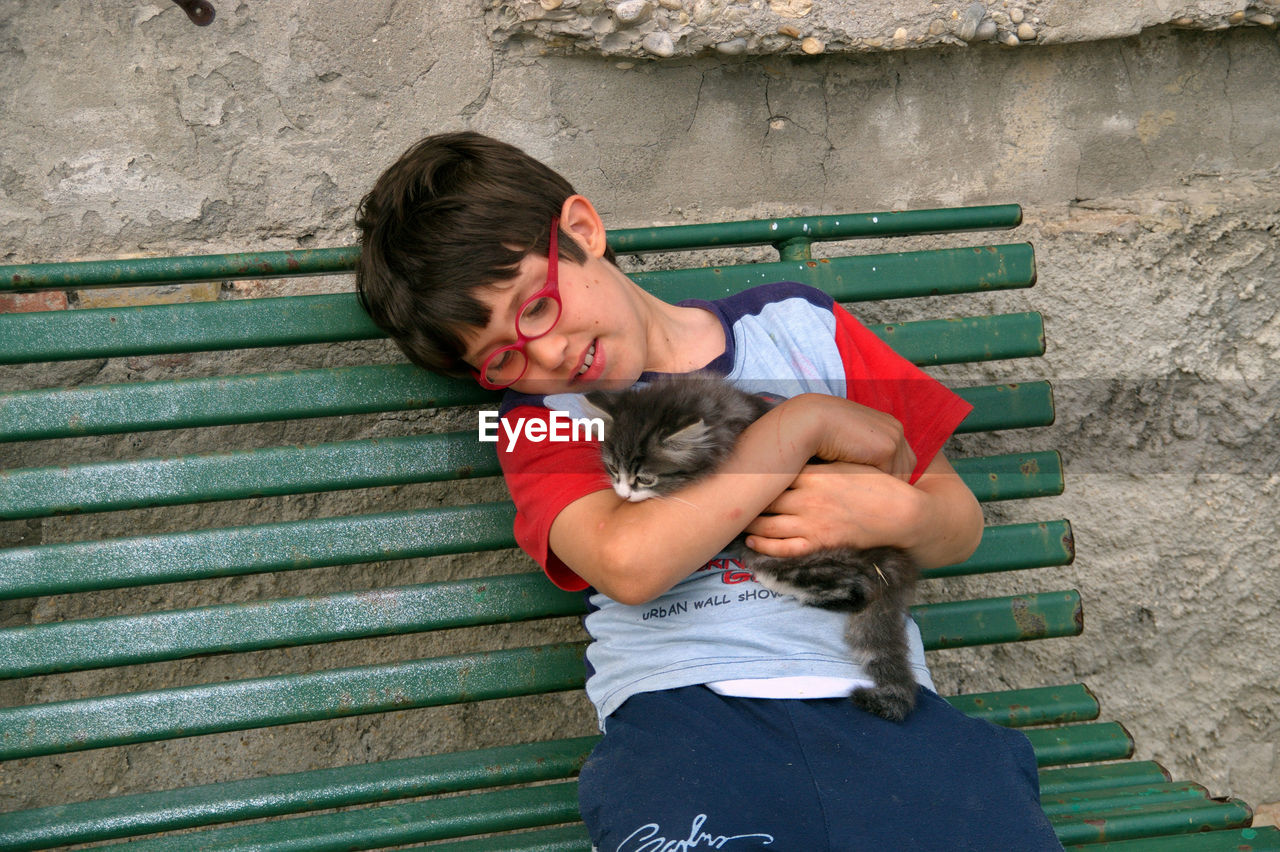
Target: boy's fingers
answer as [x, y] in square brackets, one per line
[774, 526]
[781, 548]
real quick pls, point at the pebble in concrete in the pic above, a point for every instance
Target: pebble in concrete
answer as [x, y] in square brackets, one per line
[970, 20]
[659, 44]
[632, 11]
[732, 47]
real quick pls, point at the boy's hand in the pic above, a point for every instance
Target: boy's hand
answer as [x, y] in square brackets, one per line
[840, 505]
[936, 519]
[844, 431]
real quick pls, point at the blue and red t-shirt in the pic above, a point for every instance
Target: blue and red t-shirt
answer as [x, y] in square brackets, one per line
[782, 339]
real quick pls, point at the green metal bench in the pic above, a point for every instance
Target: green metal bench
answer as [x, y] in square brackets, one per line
[89, 562]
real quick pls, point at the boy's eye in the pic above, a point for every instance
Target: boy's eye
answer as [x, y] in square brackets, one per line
[539, 317]
[502, 366]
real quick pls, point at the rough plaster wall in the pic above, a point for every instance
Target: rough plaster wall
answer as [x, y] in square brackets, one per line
[1147, 167]
[650, 29]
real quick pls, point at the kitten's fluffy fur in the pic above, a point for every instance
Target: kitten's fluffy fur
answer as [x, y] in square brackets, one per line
[680, 428]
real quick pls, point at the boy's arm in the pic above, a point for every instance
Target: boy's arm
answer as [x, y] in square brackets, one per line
[634, 552]
[937, 519]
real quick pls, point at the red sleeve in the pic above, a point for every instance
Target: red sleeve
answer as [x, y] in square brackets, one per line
[544, 477]
[880, 378]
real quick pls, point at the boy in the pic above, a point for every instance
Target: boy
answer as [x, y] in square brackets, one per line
[725, 710]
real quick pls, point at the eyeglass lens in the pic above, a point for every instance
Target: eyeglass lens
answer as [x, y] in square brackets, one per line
[537, 318]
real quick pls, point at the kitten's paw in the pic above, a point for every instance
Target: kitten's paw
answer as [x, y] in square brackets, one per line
[887, 702]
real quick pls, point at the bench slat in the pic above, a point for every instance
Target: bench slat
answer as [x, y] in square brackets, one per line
[1045, 705]
[841, 227]
[999, 407]
[263, 702]
[1153, 820]
[138, 483]
[51, 569]
[1261, 839]
[83, 274]
[984, 621]
[932, 343]
[390, 825]
[1095, 741]
[193, 327]
[1102, 776]
[298, 320]
[901, 275]
[367, 463]
[290, 545]
[64, 646]
[223, 400]
[569, 838]
[278, 795]
[1063, 804]
[1014, 547]
[1015, 476]
[78, 275]
[236, 628]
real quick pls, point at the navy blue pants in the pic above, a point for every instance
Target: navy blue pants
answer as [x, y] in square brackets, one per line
[688, 769]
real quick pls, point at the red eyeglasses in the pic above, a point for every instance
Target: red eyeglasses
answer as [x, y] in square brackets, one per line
[537, 316]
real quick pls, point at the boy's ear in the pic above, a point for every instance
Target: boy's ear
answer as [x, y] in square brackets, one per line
[579, 218]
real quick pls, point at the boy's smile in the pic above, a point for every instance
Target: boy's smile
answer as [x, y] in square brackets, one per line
[593, 363]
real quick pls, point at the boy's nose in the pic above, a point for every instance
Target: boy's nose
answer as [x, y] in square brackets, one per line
[547, 352]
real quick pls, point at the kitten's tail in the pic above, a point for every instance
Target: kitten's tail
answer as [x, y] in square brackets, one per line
[878, 634]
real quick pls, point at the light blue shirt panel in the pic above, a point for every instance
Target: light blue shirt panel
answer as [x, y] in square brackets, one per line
[717, 625]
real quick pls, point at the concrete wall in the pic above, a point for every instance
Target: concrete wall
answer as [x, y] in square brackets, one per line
[1149, 167]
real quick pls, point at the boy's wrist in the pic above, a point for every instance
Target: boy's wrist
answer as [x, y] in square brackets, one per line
[801, 423]
[835, 429]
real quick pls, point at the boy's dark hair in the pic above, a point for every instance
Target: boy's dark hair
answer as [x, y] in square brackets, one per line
[455, 212]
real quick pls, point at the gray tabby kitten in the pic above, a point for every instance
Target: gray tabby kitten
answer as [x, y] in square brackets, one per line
[680, 428]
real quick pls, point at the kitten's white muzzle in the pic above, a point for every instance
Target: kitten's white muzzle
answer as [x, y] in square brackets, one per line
[631, 495]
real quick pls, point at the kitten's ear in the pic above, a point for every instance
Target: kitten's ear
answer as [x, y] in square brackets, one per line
[596, 404]
[688, 444]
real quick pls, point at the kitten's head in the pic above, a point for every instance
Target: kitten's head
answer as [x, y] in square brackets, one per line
[670, 433]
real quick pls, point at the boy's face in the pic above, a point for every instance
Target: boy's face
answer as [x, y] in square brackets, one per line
[598, 343]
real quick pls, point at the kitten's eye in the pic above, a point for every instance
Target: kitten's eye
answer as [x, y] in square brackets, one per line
[646, 480]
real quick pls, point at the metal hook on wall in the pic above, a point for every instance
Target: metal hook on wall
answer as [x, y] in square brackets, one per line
[201, 12]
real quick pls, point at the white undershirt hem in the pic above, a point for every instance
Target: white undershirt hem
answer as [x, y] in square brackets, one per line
[799, 686]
